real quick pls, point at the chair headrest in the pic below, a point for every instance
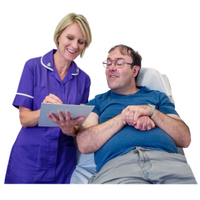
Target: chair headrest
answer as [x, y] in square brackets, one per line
[154, 80]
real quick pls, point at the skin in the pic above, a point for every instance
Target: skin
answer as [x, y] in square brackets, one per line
[92, 135]
[71, 44]
[121, 80]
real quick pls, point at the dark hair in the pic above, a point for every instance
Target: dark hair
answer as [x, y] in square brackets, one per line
[125, 50]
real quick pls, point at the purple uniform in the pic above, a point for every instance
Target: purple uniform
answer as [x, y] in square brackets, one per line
[44, 154]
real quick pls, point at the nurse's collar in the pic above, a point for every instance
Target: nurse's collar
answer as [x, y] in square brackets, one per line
[77, 72]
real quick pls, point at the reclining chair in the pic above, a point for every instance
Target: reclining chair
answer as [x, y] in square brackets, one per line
[152, 79]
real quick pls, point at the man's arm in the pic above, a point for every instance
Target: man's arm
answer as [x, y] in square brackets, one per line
[92, 135]
[170, 124]
[174, 126]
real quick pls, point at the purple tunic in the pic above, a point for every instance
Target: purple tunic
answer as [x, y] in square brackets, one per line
[45, 154]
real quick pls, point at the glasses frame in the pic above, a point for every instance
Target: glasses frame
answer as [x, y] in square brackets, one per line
[115, 63]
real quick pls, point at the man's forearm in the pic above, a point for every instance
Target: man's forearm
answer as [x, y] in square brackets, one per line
[91, 139]
[175, 128]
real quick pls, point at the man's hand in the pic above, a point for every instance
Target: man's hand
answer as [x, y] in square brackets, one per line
[144, 123]
[132, 113]
[138, 116]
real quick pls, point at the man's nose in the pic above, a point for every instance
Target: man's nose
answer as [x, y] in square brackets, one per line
[113, 66]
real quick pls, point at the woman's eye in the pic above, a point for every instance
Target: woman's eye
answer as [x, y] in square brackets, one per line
[81, 42]
[70, 38]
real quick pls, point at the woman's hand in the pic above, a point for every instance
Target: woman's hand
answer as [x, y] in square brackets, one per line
[67, 125]
[51, 98]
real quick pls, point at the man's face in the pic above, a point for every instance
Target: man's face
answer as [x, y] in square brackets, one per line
[120, 80]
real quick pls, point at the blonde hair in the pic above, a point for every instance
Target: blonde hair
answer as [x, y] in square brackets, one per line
[81, 21]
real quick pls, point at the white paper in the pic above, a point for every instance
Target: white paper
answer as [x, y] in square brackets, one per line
[74, 110]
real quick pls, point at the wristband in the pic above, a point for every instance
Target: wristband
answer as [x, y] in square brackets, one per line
[152, 109]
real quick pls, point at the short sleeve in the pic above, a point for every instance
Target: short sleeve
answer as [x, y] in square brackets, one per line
[96, 108]
[25, 92]
[165, 105]
[86, 91]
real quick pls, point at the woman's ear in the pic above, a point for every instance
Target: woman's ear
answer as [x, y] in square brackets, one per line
[58, 39]
[136, 70]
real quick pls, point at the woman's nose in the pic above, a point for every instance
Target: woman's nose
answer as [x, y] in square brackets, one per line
[75, 44]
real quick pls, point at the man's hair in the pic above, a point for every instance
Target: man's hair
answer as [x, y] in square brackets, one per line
[125, 50]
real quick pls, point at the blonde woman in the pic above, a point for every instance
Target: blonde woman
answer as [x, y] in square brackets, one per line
[46, 154]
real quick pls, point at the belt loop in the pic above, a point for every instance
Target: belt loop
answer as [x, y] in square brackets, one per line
[135, 151]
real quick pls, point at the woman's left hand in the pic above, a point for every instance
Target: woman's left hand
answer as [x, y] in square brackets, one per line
[67, 125]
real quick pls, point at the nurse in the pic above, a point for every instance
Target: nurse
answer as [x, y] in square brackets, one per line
[44, 154]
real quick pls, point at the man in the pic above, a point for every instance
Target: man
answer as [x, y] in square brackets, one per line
[134, 131]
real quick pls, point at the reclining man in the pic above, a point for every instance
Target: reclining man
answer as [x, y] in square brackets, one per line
[134, 131]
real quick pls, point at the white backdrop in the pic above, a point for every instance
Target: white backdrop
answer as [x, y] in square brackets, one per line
[165, 32]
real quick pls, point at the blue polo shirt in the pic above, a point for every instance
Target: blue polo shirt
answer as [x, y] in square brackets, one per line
[44, 154]
[110, 104]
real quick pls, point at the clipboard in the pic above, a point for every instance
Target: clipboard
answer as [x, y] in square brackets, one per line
[74, 110]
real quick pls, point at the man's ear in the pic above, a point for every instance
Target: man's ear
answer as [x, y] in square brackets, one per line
[136, 70]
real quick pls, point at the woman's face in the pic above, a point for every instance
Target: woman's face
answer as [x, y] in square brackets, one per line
[71, 42]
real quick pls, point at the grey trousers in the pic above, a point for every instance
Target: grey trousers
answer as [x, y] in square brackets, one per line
[144, 166]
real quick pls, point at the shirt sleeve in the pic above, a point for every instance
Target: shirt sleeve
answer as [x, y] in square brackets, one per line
[165, 105]
[86, 91]
[25, 93]
[96, 108]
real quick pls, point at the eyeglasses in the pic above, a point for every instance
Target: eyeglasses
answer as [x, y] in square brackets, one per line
[119, 63]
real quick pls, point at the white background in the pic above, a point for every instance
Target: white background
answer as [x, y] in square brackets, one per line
[165, 32]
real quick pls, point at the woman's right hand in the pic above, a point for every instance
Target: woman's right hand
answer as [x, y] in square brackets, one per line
[29, 118]
[51, 98]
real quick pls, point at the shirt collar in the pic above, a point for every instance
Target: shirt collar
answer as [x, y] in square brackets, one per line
[48, 62]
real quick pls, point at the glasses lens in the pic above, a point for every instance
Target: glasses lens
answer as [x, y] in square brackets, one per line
[120, 63]
[107, 63]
